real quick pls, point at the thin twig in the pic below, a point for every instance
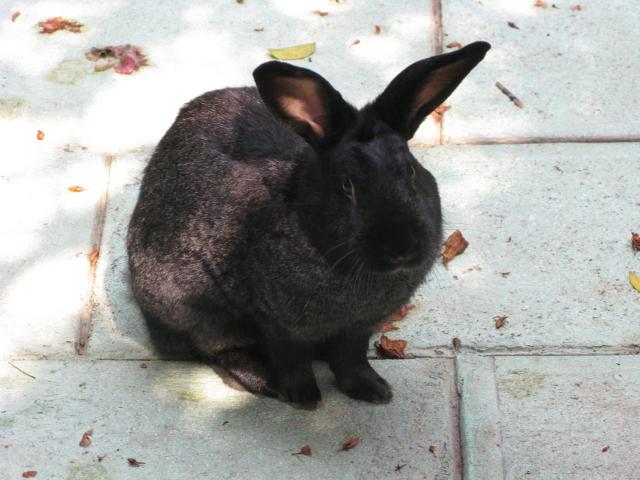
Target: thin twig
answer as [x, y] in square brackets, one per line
[21, 371]
[511, 96]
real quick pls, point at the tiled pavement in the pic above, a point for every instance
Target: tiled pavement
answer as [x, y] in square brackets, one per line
[548, 193]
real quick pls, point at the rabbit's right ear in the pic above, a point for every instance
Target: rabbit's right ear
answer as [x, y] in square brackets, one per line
[421, 87]
[305, 101]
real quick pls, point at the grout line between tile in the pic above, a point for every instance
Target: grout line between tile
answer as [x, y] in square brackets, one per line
[436, 9]
[536, 140]
[85, 317]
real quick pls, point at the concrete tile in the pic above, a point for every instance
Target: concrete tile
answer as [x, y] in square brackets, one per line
[566, 66]
[184, 422]
[192, 48]
[558, 414]
[45, 240]
[558, 219]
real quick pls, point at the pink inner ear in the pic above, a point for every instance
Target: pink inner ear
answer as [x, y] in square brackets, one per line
[301, 102]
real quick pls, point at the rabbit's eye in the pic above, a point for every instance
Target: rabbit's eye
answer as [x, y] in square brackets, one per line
[347, 188]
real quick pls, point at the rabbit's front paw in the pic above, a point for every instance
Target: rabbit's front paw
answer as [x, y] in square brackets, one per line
[363, 383]
[301, 390]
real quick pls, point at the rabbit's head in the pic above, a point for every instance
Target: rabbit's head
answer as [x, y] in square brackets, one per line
[364, 200]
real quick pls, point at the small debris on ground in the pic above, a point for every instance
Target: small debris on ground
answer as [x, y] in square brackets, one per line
[85, 441]
[304, 450]
[295, 52]
[576, 8]
[606, 449]
[454, 45]
[635, 242]
[454, 246]
[21, 371]
[513, 25]
[517, 102]
[501, 320]
[144, 365]
[134, 463]
[93, 256]
[377, 29]
[29, 474]
[350, 443]
[392, 349]
[634, 280]
[258, 29]
[102, 456]
[439, 112]
[54, 24]
[15, 15]
[76, 189]
[457, 343]
[400, 466]
[432, 450]
[505, 274]
[540, 4]
[402, 312]
[40, 135]
[355, 42]
[320, 13]
[124, 59]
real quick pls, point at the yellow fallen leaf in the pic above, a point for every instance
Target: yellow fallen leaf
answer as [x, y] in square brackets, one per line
[296, 52]
[634, 279]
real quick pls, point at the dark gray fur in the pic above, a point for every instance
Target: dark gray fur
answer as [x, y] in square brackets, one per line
[263, 245]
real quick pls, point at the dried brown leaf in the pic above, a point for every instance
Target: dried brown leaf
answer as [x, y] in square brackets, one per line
[40, 135]
[93, 256]
[355, 42]
[377, 29]
[457, 343]
[402, 312]
[85, 441]
[454, 246]
[439, 112]
[54, 24]
[454, 45]
[350, 443]
[320, 13]
[76, 189]
[304, 450]
[576, 8]
[513, 25]
[134, 463]
[635, 242]
[29, 474]
[540, 4]
[505, 274]
[258, 29]
[388, 348]
[387, 327]
[501, 320]
[15, 15]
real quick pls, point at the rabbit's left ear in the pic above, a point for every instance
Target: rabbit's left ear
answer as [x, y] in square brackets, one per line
[421, 87]
[305, 101]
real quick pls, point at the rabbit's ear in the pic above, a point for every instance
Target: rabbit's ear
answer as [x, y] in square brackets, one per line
[422, 87]
[305, 101]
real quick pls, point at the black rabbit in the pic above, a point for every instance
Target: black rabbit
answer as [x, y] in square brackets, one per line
[279, 225]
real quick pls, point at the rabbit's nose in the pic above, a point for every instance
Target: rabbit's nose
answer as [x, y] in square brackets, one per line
[399, 250]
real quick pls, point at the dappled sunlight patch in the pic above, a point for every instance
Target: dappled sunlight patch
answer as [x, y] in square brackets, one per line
[41, 303]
